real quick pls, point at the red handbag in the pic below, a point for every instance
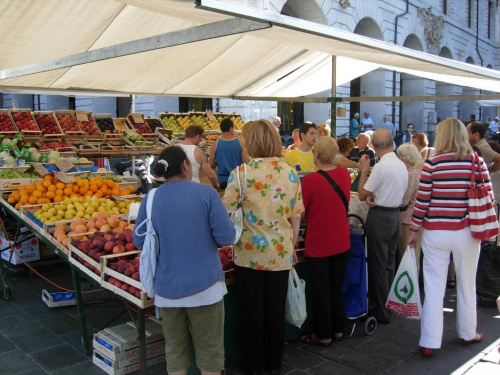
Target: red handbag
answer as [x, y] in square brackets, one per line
[482, 217]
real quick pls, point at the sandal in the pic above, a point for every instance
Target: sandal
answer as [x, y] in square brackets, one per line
[312, 339]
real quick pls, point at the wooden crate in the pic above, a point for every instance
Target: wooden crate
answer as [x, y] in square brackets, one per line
[31, 131]
[170, 123]
[78, 258]
[51, 299]
[73, 134]
[122, 341]
[140, 125]
[154, 124]
[87, 124]
[107, 271]
[39, 116]
[11, 130]
[121, 124]
[14, 183]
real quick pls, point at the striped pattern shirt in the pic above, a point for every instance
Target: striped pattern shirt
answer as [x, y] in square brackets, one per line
[442, 199]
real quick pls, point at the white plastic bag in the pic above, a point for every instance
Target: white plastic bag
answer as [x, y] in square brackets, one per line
[236, 216]
[404, 295]
[295, 309]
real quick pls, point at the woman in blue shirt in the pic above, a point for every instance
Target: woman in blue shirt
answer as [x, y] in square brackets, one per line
[190, 221]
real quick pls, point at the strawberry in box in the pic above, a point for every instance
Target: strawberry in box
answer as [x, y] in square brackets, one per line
[47, 123]
[24, 121]
[6, 124]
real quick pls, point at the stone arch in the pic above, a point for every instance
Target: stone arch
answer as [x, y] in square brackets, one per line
[370, 84]
[412, 41]
[446, 52]
[420, 113]
[470, 60]
[308, 10]
[447, 108]
[368, 27]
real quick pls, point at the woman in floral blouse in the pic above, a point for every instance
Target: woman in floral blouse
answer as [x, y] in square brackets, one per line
[264, 254]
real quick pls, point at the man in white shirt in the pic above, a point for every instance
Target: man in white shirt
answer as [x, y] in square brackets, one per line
[277, 123]
[366, 122]
[383, 191]
[494, 125]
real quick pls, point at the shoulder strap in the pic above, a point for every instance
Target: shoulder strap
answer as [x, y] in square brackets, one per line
[241, 187]
[337, 189]
[149, 204]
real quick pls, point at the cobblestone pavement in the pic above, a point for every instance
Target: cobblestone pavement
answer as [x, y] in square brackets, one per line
[35, 339]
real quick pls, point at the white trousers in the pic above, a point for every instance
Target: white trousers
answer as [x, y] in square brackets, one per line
[437, 246]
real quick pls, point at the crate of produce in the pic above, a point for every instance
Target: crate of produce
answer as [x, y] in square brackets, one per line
[25, 123]
[61, 147]
[59, 299]
[121, 124]
[88, 149]
[112, 149]
[88, 125]
[7, 125]
[46, 121]
[133, 138]
[164, 137]
[81, 260]
[170, 122]
[122, 341]
[109, 133]
[122, 288]
[67, 121]
[140, 125]
[183, 120]
[154, 124]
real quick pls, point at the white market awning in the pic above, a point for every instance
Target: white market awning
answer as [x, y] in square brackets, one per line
[170, 47]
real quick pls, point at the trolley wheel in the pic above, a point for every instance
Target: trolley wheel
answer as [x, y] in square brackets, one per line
[5, 293]
[370, 325]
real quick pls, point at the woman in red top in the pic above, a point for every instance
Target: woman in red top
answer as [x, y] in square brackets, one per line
[327, 241]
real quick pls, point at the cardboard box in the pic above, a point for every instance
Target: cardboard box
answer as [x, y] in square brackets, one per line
[113, 368]
[27, 248]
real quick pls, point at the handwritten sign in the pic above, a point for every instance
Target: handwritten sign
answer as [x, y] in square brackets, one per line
[64, 178]
[64, 165]
[211, 116]
[138, 119]
[82, 116]
[40, 169]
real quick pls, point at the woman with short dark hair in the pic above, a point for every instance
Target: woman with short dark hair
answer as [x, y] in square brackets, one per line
[190, 222]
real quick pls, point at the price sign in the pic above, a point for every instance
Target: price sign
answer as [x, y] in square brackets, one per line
[82, 116]
[138, 119]
[211, 116]
[64, 165]
[40, 169]
[64, 178]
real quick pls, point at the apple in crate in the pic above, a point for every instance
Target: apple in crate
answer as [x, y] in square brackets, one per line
[6, 123]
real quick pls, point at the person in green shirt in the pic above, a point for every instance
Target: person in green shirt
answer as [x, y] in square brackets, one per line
[301, 158]
[354, 126]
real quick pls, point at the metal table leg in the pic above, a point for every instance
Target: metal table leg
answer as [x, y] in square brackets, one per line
[142, 340]
[81, 315]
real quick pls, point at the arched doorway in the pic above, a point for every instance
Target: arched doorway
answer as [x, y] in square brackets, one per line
[447, 108]
[374, 83]
[469, 107]
[421, 114]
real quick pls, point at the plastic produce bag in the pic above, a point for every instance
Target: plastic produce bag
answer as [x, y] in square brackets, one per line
[295, 309]
[404, 295]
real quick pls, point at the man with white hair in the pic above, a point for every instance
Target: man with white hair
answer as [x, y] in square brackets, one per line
[354, 127]
[494, 125]
[366, 122]
[277, 123]
[383, 191]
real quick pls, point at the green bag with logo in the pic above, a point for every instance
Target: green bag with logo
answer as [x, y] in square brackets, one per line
[404, 295]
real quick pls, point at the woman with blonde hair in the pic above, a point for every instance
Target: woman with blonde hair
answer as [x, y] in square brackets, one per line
[441, 209]
[327, 241]
[420, 140]
[264, 255]
[409, 155]
[324, 130]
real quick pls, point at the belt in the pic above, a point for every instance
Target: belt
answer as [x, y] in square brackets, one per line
[389, 209]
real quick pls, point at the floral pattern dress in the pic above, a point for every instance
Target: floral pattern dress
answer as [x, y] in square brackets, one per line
[272, 196]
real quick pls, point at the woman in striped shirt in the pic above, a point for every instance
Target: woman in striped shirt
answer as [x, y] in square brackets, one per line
[441, 209]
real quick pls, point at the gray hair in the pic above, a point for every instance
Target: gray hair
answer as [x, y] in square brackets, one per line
[409, 152]
[382, 138]
[277, 118]
[365, 135]
[356, 114]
